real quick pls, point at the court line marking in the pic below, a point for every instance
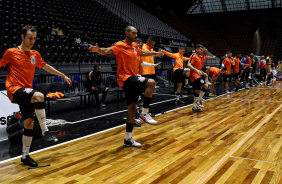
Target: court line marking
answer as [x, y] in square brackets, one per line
[95, 117]
[70, 141]
[251, 100]
[267, 88]
[216, 166]
[257, 160]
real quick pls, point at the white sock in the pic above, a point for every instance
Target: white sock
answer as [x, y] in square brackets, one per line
[26, 145]
[177, 97]
[41, 116]
[201, 95]
[128, 135]
[145, 110]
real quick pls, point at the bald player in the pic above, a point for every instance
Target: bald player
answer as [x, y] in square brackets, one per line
[127, 53]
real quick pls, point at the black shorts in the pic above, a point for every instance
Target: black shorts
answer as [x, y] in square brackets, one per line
[153, 76]
[22, 97]
[203, 69]
[178, 75]
[226, 77]
[132, 88]
[198, 83]
[247, 70]
[235, 75]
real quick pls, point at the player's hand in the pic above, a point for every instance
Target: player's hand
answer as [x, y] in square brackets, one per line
[203, 73]
[214, 57]
[159, 54]
[157, 64]
[94, 48]
[68, 80]
[199, 72]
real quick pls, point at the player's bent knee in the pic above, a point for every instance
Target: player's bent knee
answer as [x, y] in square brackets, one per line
[28, 123]
[37, 97]
[151, 82]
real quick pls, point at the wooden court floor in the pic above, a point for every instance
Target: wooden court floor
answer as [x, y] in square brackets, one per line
[237, 139]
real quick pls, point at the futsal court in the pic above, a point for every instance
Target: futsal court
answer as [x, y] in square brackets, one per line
[236, 140]
[140, 92]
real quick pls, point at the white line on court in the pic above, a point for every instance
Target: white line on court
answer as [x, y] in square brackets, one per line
[252, 100]
[256, 160]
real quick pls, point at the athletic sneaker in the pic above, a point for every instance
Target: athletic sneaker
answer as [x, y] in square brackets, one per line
[269, 84]
[236, 90]
[227, 92]
[212, 95]
[179, 101]
[188, 86]
[147, 118]
[131, 143]
[199, 103]
[48, 137]
[136, 124]
[102, 104]
[208, 82]
[197, 109]
[29, 161]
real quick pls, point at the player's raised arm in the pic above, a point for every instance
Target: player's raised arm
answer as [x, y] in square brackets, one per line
[102, 51]
[52, 70]
[146, 53]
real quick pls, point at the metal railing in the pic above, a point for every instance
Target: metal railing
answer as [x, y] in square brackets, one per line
[163, 76]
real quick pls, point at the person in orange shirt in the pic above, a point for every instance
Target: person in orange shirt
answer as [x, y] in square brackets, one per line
[147, 71]
[248, 69]
[214, 73]
[127, 53]
[236, 70]
[21, 63]
[199, 85]
[178, 70]
[227, 62]
[206, 68]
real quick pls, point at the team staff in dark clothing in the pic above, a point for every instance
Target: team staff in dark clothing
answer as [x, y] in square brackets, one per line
[94, 85]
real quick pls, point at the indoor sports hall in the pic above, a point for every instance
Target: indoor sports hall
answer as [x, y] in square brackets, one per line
[137, 92]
